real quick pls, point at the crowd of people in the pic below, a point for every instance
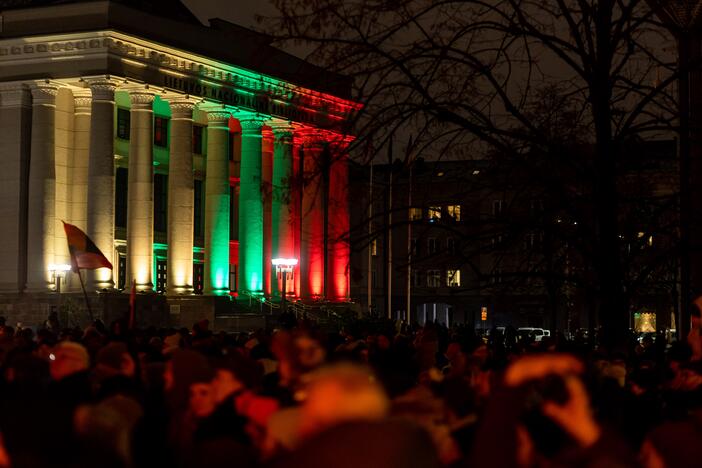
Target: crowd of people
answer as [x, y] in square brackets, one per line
[369, 395]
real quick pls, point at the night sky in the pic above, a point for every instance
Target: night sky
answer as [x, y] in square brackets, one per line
[237, 11]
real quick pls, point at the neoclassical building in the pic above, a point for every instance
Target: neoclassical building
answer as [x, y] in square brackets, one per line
[191, 155]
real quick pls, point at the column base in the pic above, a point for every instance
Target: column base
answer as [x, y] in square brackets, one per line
[216, 292]
[102, 286]
[184, 290]
[141, 288]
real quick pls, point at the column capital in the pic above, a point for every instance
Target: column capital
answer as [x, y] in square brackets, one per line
[181, 109]
[311, 138]
[141, 99]
[82, 101]
[251, 126]
[218, 118]
[102, 89]
[15, 95]
[43, 93]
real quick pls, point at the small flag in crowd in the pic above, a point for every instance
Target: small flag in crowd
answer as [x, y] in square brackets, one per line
[84, 253]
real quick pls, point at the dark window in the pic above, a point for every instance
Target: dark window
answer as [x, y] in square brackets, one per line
[121, 179]
[450, 245]
[414, 246]
[431, 244]
[161, 275]
[160, 202]
[161, 131]
[197, 222]
[198, 275]
[232, 215]
[197, 139]
[123, 119]
[122, 272]
[232, 277]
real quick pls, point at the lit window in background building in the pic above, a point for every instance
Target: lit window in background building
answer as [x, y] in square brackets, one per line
[434, 213]
[453, 278]
[416, 214]
[374, 247]
[454, 211]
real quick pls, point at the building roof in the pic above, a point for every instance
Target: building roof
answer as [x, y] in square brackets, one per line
[171, 23]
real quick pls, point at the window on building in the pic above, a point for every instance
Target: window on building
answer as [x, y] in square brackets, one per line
[121, 182]
[434, 213]
[232, 278]
[454, 211]
[451, 245]
[197, 139]
[161, 132]
[414, 246]
[496, 241]
[122, 272]
[434, 278]
[534, 240]
[123, 122]
[417, 278]
[197, 212]
[198, 277]
[453, 278]
[432, 245]
[374, 279]
[161, 275]
[160, 202]
[497, 207]
[416, 214]
[374, 247]
[496, 277]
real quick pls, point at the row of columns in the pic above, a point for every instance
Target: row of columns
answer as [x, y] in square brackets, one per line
[269, 223]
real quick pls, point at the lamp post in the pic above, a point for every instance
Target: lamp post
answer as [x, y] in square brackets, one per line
[284, 267]
[684, 19]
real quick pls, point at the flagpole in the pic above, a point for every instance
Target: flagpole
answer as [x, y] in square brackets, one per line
[85, 294]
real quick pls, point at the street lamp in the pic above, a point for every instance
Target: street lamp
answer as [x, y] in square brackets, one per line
[58, 272]
[283, 269]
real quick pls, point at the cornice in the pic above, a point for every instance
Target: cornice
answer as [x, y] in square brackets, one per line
[185, 72]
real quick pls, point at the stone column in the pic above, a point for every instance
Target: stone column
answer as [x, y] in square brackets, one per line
[217, 201]
[101, 176]
[181, 192]
[42, 188]
[15, 121]
[140, 198]
[338, 225]
[267, 195]
[296, 208]
[251, 208]
[312, 241]
[282, 223]
[78, 178]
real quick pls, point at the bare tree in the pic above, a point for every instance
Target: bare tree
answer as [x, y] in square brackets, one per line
[508, 79]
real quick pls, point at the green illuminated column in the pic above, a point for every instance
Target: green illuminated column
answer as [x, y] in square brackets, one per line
[42, 184]
[267, 194]
[217, 204]
[181, 192]
[140, 196]
[251, 208]
[282, 229]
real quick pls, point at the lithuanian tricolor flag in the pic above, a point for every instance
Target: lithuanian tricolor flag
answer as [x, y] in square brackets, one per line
[84, 253]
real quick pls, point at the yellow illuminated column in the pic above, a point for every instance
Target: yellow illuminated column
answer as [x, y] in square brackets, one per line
[216, 280]
[140, 193]
[101, 178]
[15, 120]
[180, 199]
[42, 186]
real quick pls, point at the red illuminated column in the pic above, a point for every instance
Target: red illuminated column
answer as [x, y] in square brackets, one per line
[266, 194]
[296, 208]
[312, 236]
[338, 223]
[283, 219]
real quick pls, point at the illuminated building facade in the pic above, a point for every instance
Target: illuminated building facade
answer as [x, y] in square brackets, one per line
[192, 155]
